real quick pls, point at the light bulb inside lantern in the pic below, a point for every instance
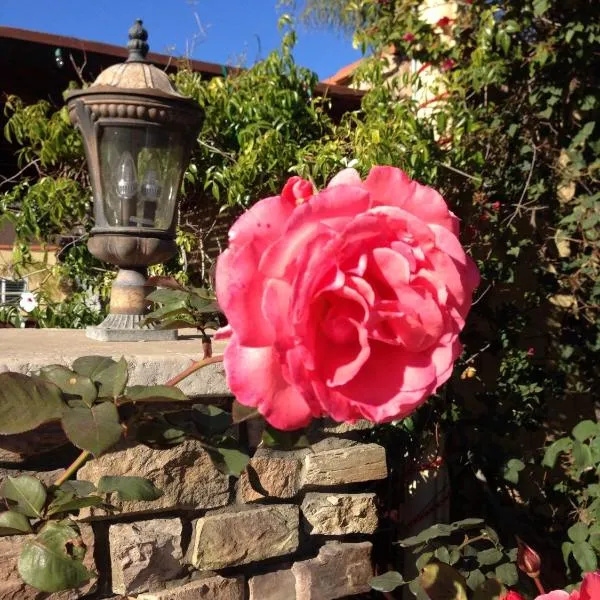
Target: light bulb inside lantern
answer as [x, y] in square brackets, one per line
[126, 179]
[126, 187]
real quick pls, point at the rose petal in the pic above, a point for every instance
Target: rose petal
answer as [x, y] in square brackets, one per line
[391, 186]
[347, 176]
[263, 223]
[255, 378]
[239, 289]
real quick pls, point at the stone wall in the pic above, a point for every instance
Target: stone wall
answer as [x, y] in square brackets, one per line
[296, 525]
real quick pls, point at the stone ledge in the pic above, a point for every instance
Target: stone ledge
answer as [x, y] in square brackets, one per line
[150, 363]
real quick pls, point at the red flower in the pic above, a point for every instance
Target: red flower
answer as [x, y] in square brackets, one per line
[444, 22]
[448, 64]
[496, 205]
[409, 37]
[513, 596]
[530, 352]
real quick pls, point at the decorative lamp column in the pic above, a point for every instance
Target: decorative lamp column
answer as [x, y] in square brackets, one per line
[138, 133]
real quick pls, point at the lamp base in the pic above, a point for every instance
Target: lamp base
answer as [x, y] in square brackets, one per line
[128, 328]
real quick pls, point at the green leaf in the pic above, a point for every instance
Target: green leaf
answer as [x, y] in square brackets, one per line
[78, 487]
[594, 541]
[585, 430]
[92, 366]
[552, 452]
[435, 531]
[583, 134]
[578, 532]
[582, 455]
[66, 502]
[284, 440]
[95, 428]
[159, 433]
[512, 469]
[442, 554]
[387, 582]
[466, 524]
[71, 383]
[585, 556]
[230, 461]
[27, 402]
[129, 488]
[423, 560]
[507, 574]
[475, 579]
[455, 556]
[168, 296]
[210, 420]
[112, 380]
[491, 556]
[154, 393]
[28, 493]
[14, 523]
[52, 561]
[540, 7]
[566, 549]
[241, 413]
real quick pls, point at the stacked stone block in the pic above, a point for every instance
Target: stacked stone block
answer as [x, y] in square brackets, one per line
[295, 526]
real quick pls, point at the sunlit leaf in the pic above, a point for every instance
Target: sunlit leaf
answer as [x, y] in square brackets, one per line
[71, 383]
[52, 560]
[95, 428]
[27, 492]
[154, 393]
[387, 582]
[27, 402]
[14, 523]
[129, 488]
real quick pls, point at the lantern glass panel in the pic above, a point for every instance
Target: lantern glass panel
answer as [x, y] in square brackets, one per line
[141, 168]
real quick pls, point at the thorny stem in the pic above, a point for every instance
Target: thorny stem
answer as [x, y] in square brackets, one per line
[195, 366]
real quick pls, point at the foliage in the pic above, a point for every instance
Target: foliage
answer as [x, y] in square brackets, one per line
[256, 123]
[496, 106]
[465, 556]
[177, 306]
[52, 560]
[96, 409]
[579, 454]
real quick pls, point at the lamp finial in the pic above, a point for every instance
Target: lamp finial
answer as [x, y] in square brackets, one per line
[138, 46]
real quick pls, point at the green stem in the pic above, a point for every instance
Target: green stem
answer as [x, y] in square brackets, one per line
[72, 468]
[474, 539]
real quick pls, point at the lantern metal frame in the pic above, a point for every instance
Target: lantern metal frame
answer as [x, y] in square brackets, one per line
[151, 104]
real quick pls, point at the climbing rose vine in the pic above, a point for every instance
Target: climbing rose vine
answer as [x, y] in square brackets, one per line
[346, 302]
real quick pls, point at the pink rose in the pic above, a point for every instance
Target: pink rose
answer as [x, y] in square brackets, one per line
[345, 303]
[589, 590]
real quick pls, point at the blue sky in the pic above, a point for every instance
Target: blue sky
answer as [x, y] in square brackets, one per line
[231, 28]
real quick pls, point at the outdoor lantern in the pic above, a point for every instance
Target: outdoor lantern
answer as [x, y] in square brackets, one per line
[138, 133]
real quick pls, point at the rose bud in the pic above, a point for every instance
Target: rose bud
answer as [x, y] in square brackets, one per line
[528, 560]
